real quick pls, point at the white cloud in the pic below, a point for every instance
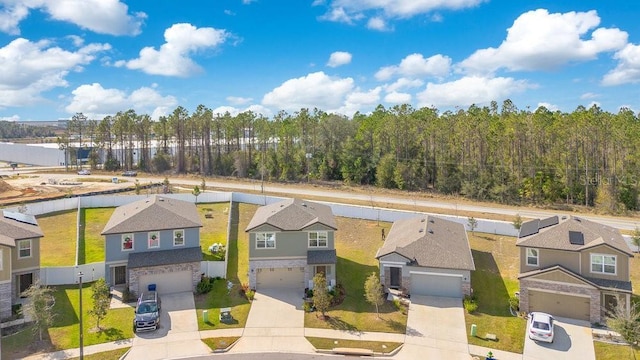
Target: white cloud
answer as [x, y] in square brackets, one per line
[416, 66]
[12, 118]
[29, 68]
[538, 40]
[470, 90]
[357, 100]
[234, 111]
[101, 16]
[310, 91]
[339, 58]
[397, 98]
[396, 8]
[338, 14]
[589, 95]
[97, 102]
[172, 59]
[628, 69]
[548, 106]
[377, 23]
[403, 83]
[236, 100]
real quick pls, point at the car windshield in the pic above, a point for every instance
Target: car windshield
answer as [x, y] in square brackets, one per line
[147, 308]
[540, 325]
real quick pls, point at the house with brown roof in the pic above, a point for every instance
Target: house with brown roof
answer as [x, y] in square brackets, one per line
[19, 257]
[427, 255]
[572, 267]
[290, 241]
[155, 240]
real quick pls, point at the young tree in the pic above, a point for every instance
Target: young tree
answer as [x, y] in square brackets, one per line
[137, 187]
[196, 192]
[101, 301]
[166, 186]
[625, 324]
[473, 223]
[321, 296]
[517, 222]
[635, 238]
[39, 306]
[373, 291]
[203, 185]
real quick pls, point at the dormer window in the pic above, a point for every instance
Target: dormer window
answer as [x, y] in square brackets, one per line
[603, 264]
[532, 257]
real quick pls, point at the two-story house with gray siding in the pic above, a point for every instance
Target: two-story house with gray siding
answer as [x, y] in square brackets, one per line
[572, 267]
[289, 243]
[19, 257]
[427, 255]
[154, 241]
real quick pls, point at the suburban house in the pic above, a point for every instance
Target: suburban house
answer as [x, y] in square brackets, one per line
[154, 241]
[289, 243]
[572, 267]
[19, 257]
[427, 255]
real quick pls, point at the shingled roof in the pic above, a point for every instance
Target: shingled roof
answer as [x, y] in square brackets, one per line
[429, 241]
[151, 214]
[12, 229]
[164, 257]
[292, 215]
[573, 233]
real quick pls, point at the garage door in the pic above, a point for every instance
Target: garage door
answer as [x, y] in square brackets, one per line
[268, 278]
[167, 283]
[575, 307]
[436, 285]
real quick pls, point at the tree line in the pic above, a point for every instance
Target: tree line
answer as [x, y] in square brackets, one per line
[496, 153]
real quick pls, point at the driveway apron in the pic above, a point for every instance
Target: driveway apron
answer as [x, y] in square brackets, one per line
[275, 323]
[435, 329]
[573, 339]
[178, 335]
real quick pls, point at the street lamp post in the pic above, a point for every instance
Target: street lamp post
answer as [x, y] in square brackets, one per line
[80, 274]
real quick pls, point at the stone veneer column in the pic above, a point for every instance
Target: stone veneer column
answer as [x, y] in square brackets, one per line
[5, 300]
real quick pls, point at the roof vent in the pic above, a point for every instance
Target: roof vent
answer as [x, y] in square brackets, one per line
[432, 220]
[421, 230]
[422, 220]
[430, 231]
[304, 204]
[160, 199]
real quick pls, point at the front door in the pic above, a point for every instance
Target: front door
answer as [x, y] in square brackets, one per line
[610, 303]
[119, 275]
[321, 269]
[24, 282]
[395, 277]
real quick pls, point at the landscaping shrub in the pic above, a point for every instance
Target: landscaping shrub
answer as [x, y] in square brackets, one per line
[470, 304]
[250, 294]
[127, 296]
[309, 293]
[514, 303]
[205, 285]
[308, 306]
[243, 289]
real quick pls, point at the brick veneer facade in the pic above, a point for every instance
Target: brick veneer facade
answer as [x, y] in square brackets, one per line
[595, 309]
[5, 300]
[136, 273]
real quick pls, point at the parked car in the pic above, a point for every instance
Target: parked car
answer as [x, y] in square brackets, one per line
[541, 327]
[147, 315]
[84, 172]
[130, 173]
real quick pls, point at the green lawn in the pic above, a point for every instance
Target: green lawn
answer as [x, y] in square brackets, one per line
[107, 355]
[64, 332]
[356, 244]
[91, 242]
[214, 229]
[606, 351]
[58, 246]
[375, 346]
[494, 281]
[220, 342]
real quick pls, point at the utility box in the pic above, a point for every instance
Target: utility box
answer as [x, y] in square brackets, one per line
[474, 330]
[205, 316]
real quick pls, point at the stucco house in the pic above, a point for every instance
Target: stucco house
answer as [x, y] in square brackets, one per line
[427, 255]
[19, 257]
[155, 240]
[572, 267]
[290, 241]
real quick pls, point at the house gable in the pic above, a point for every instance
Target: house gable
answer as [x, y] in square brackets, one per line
[558, 275]
[393, 258]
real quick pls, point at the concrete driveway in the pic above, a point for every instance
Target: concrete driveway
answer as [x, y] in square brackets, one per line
[435, 330]
[275, 323]
[178, 335]
[573, 340]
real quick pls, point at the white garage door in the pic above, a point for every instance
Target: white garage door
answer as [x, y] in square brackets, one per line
[167, 283]
[436, 285]
[268, 278]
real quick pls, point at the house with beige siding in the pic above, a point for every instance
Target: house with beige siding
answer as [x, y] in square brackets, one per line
[290, 241]
[572, 267]
[19, 257]
[427, 255]
[155, 240]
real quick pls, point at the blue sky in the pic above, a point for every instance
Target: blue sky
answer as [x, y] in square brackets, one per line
[99, 57]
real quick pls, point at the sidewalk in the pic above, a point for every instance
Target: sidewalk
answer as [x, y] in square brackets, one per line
[482, 351]
[88, 350]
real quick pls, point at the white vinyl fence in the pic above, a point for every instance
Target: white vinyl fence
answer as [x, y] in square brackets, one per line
[67, 275]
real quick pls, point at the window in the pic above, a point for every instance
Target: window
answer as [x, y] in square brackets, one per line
[154, 239]
[24, 249]
[265, 240]
[178, 237]
[532, 257]
[318, 239]
[127, 242]
[603, 264]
